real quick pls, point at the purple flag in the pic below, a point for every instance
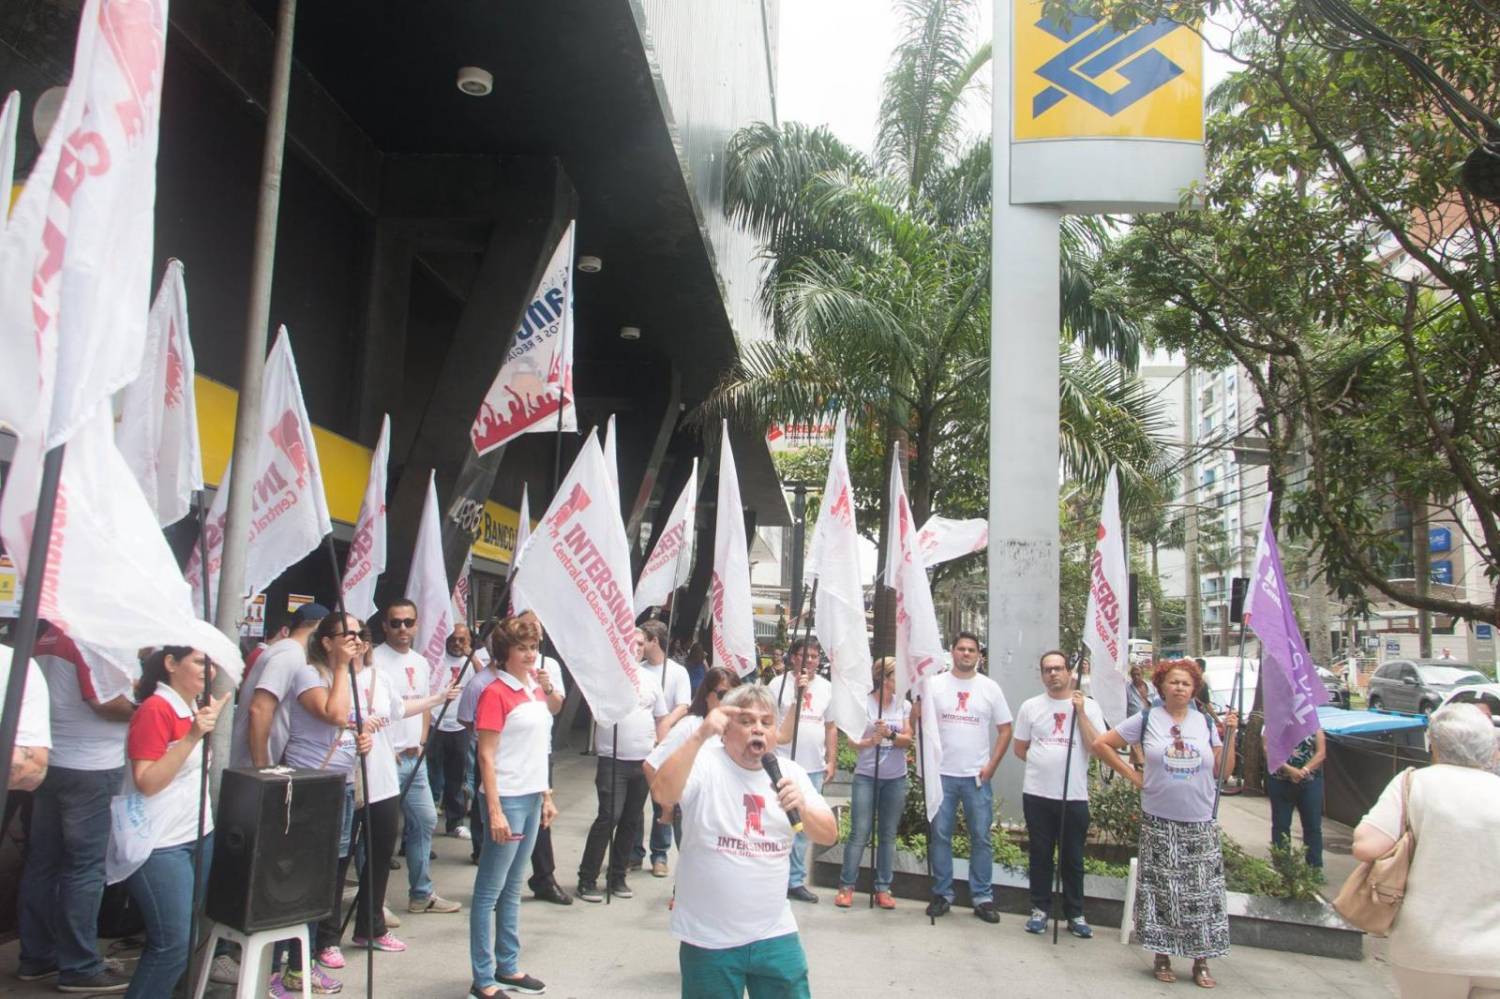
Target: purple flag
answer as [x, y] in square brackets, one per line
[1291, 688]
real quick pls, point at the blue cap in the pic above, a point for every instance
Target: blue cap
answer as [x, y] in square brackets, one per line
[309, 614]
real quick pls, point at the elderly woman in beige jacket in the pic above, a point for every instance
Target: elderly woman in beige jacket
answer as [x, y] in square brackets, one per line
[1445, 943]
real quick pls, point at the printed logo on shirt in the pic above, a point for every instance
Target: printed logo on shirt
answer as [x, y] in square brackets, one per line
[754, 842]
[1182, 761]
[963, 701]
[1057, 722]
[960, 715]
[807, 699]
[754, 806]
[411, 678]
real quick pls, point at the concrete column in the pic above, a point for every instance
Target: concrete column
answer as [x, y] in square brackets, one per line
[1025, 319]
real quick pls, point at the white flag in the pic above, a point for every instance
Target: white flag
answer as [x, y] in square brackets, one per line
[919, 642]
[942, 539]
[366, 559]
[577, 580]
[523, 532]
[671, 560]
[427, 587]
[612, 458]
[1106, 625]
[461, 594]
[839, 617]
[537, 374]
[730, 612]
[10, 115]
[289, 514]
[157, 430]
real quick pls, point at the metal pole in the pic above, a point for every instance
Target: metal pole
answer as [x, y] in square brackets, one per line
[253, 365]
[1237, 704]
[1062, 823]
[812, 604]
[31, 602]
[922, 757]
[799, 529]
[614, 820]
[203, 701]
[875, 824]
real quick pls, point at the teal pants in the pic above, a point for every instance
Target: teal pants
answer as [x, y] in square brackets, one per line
[767, 969]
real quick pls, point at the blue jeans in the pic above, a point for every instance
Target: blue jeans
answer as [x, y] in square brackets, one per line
[797, 869]
[495, 945]
[892, 801]
[63, 881]
[163, 888]
[661, 834]
[420, 817]
[979, 812]
[1307, 799]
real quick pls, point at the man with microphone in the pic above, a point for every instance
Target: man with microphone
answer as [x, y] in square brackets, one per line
[741, 808]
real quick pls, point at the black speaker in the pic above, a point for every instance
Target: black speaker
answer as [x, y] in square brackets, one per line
[1238, 587]
[276, 847]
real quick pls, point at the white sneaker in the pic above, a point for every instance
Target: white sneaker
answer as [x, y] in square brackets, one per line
[391, 919]
[459, 832]
[225, 970]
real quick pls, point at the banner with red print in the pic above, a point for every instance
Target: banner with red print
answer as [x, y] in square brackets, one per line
[671, 559]
[731, 616]
[427, 587]
[943, 539]
[366, 559]
[1106, 624]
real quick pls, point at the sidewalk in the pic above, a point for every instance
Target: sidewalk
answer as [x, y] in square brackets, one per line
[623, 951]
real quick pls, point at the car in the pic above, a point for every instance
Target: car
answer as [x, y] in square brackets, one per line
[1487, 694]
[1418, 686]
[1338, 690]
[1219, 675]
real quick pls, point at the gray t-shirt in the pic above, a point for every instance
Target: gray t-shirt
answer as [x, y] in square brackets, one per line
[1179, 763]
[273, 672]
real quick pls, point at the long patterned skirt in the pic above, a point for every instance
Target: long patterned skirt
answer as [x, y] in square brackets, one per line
[1179, 903]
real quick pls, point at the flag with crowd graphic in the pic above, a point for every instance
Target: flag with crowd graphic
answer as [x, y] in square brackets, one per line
[577, 582]
[943, 539]
[731, 615]
[288, 508]
[919, 641]
[671, 559]
[1106, 621]
[366, 559]
[427, 587]
[536, 377]
[157, 426]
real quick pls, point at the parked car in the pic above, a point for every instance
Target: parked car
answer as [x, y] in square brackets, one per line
[1219, 673]
[1487, 694]
[1338, 690]
[1418, 686]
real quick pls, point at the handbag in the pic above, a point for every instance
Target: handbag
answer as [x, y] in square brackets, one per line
[1372, 895]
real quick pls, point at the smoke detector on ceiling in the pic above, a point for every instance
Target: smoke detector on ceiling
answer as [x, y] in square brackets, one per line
[590, 265]
[475, 82]
[630, 332]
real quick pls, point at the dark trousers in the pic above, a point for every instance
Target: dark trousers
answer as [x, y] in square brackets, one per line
[380, 842]
[446, 757]
[1306, 799]
[621, 785]
[1044, 822]
[543, 864]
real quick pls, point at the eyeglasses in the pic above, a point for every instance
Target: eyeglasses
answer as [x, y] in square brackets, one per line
[401, 622]
[364, 636]
[1054, 669]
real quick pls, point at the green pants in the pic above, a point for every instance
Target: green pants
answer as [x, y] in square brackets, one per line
[768, 969]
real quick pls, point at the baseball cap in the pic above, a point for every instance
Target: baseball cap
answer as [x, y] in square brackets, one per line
[309, 614]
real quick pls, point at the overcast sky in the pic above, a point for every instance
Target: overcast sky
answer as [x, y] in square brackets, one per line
[834, 54]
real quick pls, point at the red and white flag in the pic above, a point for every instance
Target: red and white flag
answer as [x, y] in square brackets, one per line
[461, 594]
[75, 286]
[288, 509]
[577, 581]
[919, 642]
[839, 617]
[427, 587]
[1106, 624]
[537, 374]
[671, 559]
[157, 429]
[730, 612]
[942, 539]
[366, 559]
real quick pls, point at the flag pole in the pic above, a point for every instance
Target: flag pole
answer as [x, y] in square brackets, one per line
[922, 756]
[1076, 675]
[203, 702]
[875, 825]
[1238, 706]
[614, 820]
[31, 602]
[806, 637]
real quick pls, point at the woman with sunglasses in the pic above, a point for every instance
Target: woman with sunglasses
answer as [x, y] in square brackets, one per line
[165, 747]
[1179, 908]
[886, 740]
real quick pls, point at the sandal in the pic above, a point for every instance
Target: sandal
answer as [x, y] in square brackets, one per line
[1163, 969]
[1201, 977]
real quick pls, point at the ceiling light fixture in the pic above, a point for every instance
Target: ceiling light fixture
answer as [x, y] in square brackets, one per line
[630, 332]
[590, 265]
[475, 82]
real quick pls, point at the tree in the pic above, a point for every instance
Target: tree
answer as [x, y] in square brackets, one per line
[1341, 262]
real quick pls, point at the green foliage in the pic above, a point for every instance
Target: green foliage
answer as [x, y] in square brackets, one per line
[1114, 808]
[1300, 880]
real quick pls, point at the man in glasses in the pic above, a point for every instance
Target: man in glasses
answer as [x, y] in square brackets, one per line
[817, 739]
[408, 671]
[1044, 728]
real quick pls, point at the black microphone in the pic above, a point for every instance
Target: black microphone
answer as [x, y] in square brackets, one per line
[773, 770]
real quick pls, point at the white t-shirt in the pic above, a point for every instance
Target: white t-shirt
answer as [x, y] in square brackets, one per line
[163, 720]
[274, 671]
[638, 730]
[452, 669]
[674, 682]
[681, 731]
[35, 730]
[736, 845]
[410, 676]
[811, 727]
[315, 744]
[1045, 723]
[81, 739]
[968, 712]
[518, 711]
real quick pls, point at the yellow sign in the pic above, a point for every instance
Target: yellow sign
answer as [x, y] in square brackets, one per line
[10, 589]
[345, 465]
[1081, 78]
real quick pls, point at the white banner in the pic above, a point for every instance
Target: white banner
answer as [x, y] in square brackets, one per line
[157, 429]
[612, 458]
[289, 514]
[731, 614]
[523, 531]
[1106, 624]
[461, 593]
[537, 374]
[671, 559]
[10, 115]
[427, 587]
[919, 641]
[839, 615]
[942, 539]
[366, 559]
[577, 580]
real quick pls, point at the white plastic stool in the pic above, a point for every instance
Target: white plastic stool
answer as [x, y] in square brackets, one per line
[255, 958]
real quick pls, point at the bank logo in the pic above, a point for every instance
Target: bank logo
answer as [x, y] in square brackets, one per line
[1094, 49]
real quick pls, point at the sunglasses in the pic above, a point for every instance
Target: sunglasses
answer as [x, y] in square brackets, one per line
[401, 622]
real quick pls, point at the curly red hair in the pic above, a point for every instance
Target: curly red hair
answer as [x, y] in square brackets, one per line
[1166, 666]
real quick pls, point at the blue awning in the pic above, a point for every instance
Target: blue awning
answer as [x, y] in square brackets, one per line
[1337, 721]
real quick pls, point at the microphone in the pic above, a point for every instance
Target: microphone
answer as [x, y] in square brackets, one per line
[773, 771]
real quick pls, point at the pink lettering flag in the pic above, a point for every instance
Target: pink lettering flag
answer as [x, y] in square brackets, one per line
[839, 615]
[1106, 624]
[427, 587]
[672, 558]
[730, 612]
[942, 539]
[366, 559]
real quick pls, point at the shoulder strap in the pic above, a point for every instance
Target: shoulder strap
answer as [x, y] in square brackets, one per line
[1406, 779]
[1145, 723]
